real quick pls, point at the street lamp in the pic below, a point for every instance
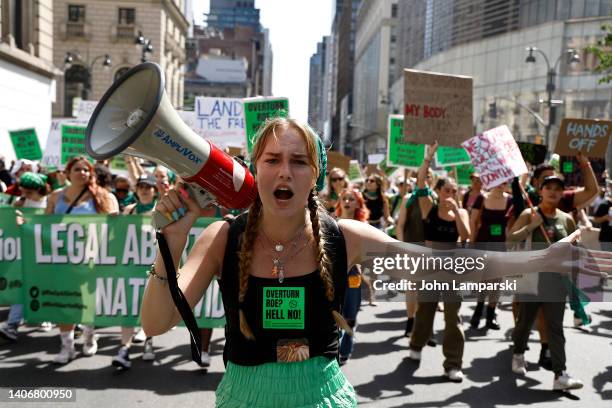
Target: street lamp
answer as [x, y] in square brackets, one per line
[551, 72]
[71, 57]
[145, 43]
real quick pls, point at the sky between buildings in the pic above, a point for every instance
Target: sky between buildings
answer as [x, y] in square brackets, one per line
[295, 28]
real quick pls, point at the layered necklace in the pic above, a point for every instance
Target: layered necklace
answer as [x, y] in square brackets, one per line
[279, 257]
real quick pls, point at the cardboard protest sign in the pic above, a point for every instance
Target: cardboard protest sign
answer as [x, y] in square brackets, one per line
[337, 159]
[437, 107]
[73, 143]
[400, 152]
[52, 155]
[219, 120]
[25, 143]
[354, 172]
[570, 168]
[495, 156]
[257, 110]
[532, 153]
[451, 156]
[583, 135]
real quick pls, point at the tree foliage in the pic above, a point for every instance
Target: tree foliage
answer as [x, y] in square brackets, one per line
[603, 52]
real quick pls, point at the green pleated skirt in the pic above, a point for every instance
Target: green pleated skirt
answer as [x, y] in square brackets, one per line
[316, 382]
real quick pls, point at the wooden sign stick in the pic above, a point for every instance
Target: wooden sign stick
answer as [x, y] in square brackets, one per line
[542, 230]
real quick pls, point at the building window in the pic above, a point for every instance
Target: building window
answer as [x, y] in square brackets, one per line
[127, 16]
[393, 10]
[76, 14]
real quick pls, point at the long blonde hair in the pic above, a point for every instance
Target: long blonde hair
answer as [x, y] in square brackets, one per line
[315, 209]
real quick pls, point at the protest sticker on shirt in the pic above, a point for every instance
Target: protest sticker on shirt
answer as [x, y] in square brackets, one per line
[283, 307]
[437, 107]
[586, 136]
[496, 156]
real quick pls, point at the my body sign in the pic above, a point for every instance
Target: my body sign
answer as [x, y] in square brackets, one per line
[90, 269]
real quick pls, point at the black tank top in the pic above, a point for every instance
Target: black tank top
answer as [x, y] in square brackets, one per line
[375, 206]
[319, 327]
[492, 223]
[439, 230]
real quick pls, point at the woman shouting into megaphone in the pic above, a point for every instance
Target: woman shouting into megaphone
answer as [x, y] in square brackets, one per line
[282, 270]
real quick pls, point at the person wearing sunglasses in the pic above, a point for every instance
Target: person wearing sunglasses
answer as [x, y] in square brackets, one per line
[377, 202]
[123, 192]
[336, 182]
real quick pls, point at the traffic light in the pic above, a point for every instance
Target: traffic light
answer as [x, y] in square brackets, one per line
[493, 110]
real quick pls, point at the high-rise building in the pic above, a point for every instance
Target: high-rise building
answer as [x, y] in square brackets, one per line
[231, 13]
[315, 87]
[234, 43]
[375, 71]
[99, 38]
[27, 72]
[487, 39]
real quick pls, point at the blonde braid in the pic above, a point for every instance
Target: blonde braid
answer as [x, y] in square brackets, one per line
[323, 260]
[246, 252]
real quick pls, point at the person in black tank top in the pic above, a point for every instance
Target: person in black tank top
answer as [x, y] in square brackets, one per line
[488, 222]
[283, 271]
[377, 202]
[444, 223]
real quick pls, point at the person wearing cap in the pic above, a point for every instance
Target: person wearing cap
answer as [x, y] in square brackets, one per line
[33, 190]
[146, 198]
[552, 288]
[21, 166]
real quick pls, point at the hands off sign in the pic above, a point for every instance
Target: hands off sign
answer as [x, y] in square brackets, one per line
[590, 137]
[495, 156]
[437, 107]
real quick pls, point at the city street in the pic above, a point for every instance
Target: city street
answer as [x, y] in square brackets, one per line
[379, 369]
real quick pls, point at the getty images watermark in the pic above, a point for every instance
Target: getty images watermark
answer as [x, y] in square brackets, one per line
[469, 273]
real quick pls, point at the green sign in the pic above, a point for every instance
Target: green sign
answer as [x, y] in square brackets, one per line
[25, 143]
[73, 143]
[451, 156]
[384, 166]
[283, 307]
[6, 200]
[464, 171]
[92, 269]
[354, 171]
[11, 281]
[256, 111]
[399, 151]
[568, 167]
[118, 163]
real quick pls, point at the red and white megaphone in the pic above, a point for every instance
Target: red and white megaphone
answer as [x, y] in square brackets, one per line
[135, 117]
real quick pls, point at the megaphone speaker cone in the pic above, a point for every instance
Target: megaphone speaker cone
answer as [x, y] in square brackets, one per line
[135, 117]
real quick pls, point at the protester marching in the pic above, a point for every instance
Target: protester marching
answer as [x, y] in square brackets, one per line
[281, 241]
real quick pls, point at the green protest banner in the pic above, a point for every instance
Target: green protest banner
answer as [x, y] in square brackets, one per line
[463, 173]
[73, 143]
[257, 110]
[451, 156]
[6, 200]
[11, 280]
[399, 151]
[92, 269]
[25, 143]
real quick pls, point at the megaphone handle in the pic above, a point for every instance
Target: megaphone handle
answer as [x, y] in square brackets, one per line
[203, 197]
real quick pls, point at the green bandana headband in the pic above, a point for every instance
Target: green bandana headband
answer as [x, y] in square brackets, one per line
[32, 181]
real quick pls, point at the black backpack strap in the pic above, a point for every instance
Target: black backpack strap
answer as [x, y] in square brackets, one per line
[335, 246]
